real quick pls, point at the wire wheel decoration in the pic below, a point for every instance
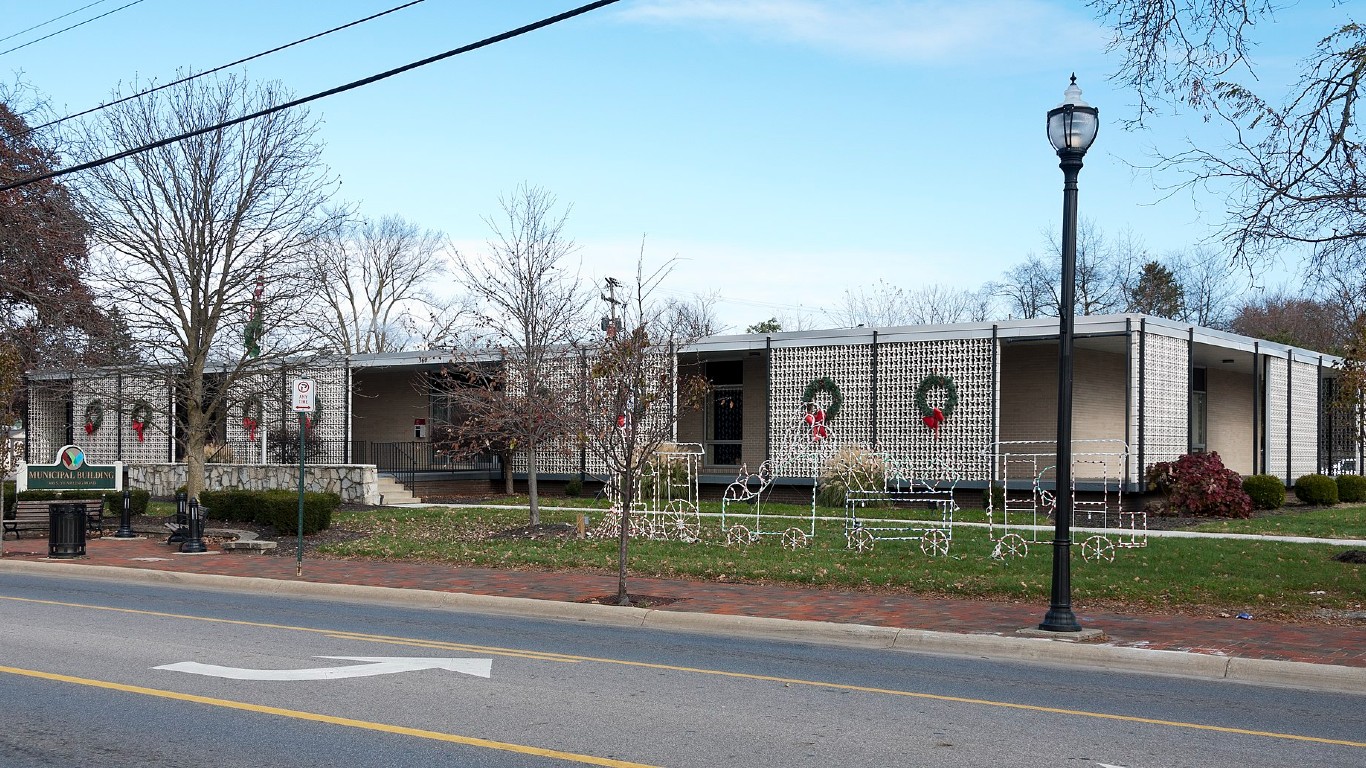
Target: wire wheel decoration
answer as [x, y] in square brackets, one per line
[794, 539]
[935, 542]
[1010, 545]
[860, 539]
[681, 522]
[739, 536]
[1098, 549]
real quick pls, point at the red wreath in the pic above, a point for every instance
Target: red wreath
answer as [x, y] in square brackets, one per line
[816, 420]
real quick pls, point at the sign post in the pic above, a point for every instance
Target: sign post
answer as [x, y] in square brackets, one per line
[305, 399]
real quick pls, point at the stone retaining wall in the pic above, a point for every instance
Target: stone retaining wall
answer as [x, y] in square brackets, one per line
[355, 483]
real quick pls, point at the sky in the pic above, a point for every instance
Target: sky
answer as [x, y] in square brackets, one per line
[782, 151]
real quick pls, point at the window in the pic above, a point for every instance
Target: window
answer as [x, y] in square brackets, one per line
[725, 412]
[1199, 409]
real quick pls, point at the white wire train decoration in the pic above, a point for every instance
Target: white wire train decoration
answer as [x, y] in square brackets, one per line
[803, 449]
[1024, 498]
[666, 505]
[902, 502]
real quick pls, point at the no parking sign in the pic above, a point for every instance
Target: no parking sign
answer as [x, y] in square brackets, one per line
[305, 395]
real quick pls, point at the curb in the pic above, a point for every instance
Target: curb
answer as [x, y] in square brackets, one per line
[1293, 674]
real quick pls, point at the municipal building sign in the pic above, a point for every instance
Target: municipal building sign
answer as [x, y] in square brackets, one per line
[71, 473]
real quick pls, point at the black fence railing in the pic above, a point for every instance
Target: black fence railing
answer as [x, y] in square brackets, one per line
[404, 460]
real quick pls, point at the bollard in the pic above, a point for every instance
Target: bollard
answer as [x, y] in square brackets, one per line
[125, 530]
[193, 543]
[181, 520]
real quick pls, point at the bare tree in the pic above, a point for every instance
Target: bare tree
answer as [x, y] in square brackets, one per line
[1028, 289]
[1209, 286]
[696, 316]
[196, 235]
[532, 307]
[1290, 173]
[1296, 320]
[889, 305]
[632, 395]
[375, 279]
[1105, 271]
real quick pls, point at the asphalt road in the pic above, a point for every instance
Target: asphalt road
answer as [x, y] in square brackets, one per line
[80, 685]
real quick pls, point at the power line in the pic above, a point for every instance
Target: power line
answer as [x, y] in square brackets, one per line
[220, 68]
[49, 21]
[518, 32]
[68, 29]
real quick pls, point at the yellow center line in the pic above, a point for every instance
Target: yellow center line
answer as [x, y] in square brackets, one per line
[329, 719]
[723, 673]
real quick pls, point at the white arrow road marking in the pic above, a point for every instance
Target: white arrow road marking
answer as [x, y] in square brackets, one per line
[375, 665]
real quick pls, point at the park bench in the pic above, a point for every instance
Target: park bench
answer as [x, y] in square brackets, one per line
[33, 515]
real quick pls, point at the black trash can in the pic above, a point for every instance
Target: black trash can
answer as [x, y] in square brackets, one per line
[66, 530]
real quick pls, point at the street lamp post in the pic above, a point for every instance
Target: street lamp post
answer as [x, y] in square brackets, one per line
[1072, 126]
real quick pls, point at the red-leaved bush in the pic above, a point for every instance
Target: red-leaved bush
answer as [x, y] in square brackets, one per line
[1200, 484]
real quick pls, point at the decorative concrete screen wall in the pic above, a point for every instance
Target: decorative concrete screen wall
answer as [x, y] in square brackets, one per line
[272, 392]
[46, 419]
[101, 417]
[1276, 390]
[848, 365]
[1304, 418]
[958, 443]
[1162, 411]
[902, 368]
[563, 455]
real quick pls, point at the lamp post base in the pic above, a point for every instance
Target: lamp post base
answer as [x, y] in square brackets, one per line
[1060, 619]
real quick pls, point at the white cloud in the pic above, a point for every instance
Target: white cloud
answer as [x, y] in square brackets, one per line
[922, 31]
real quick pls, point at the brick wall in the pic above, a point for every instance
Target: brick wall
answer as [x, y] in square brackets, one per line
[385, 403]
[1029, 394]
[1229, 418]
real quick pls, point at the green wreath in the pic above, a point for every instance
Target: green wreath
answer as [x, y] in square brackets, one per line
[935, 381]
[94, 416]
[311, 419]
[141, 415]
[827, 385]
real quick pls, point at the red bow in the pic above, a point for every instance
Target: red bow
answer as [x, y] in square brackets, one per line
[90, 428]
[934, 421]
[138, 426]
[250, 426]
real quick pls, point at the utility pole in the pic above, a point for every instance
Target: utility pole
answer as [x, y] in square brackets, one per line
[609, 323]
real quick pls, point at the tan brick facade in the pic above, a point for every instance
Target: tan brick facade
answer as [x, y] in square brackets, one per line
[1230, 418]
[1029, 393]
[384, 404]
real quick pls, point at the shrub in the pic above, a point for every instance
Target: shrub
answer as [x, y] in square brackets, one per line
[137, 502]
[851, 468]
[1266, 491]
[995, 497]
[277, 509]
[1317, 489]
[1351, 488]
[574, 488]
[1200, 484]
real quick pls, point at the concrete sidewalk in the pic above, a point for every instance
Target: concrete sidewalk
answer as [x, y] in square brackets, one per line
[1321, 656]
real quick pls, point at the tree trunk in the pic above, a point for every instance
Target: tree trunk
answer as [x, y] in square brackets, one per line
[506, 458]
[628, 497]
[531, 484]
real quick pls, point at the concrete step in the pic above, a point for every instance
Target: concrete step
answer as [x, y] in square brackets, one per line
[393, 492]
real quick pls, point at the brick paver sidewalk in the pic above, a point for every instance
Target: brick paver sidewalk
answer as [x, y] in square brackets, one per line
[1314, 643]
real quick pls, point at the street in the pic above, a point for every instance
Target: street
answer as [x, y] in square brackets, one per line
[105, 673]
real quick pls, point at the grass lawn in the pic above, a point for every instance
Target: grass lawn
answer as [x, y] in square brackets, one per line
[1339, 522]
[1267, 579]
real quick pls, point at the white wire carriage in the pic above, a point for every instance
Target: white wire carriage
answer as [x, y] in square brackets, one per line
[1023, 499]
[909, 501]
[667, 498]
